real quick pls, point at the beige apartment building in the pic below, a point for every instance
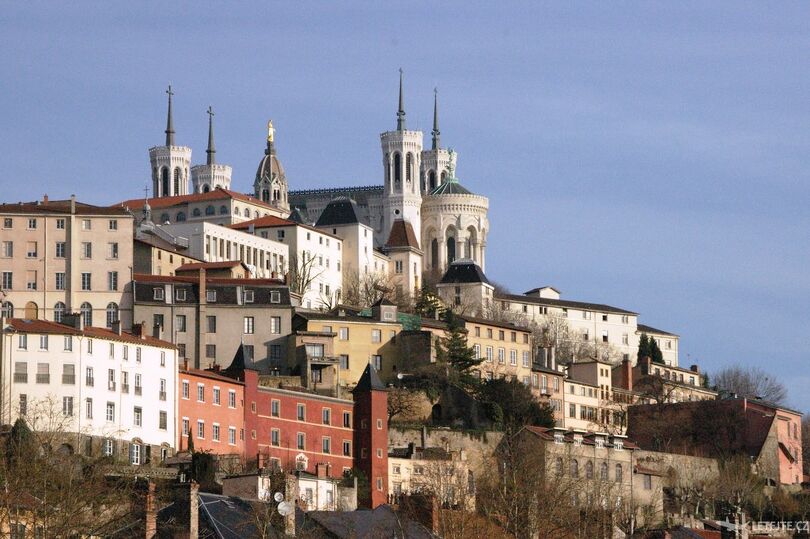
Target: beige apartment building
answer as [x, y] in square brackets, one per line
[64, 256]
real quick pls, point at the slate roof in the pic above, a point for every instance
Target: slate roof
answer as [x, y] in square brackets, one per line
[239, 362]
[340, 211]
[464, 271]
[562, 303]
[369, 380]
[402, 235]
[363, 524]
[296, 217]
[648, 329]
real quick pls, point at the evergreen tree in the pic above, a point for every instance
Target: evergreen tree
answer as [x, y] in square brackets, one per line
[655, 352]
[190, 447]
[454, 352]
[20, 443]
[643, 347]
[427, 304]
[511, 406]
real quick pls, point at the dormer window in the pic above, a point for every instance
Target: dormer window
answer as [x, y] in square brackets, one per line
[275, 296]
[248, 296]
[558, 438]
[210, 296]
[157, 294]
[618, 445]
[600, 442]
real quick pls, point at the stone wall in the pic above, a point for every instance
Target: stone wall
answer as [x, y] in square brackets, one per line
[478, 446]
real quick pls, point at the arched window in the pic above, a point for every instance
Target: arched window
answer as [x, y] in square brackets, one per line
[451, 249]
[432, 180]
[86, 312]
[58, 311]
[180, 217]
[31, 311]
[387, 169]
[164, 182]
[246, 213]
[589, 470]
[8, 309]
[210, 210]
[603, 472]
[574, 468]
[409, 168]
[444, 175]
[177, 181]
[206, 188]
[434, 253]
[618, 473]
[112, 314]
[558, 466]
[265, 195]
[397, 169]
[223, 210]
[236, 210]
[164, 217]
[255, 214]
[196, 212]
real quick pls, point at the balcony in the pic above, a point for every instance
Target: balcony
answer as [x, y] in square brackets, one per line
[89, 381]
[69, 379]
[124, 388]
[20, 377]
[43, 378]
[138, 390]
[163, 395]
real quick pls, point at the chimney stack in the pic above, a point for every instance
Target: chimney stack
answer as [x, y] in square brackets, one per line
[695, 369]
[45, 200]
[74, 320]
[73, 204]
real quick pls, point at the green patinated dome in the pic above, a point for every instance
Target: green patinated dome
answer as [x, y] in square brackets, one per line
[451, 186]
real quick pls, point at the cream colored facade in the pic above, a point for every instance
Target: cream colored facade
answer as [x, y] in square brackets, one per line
[63, 256]
[507, 350]
[447, 474]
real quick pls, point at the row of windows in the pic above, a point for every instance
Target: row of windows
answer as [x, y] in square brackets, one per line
[501, 335]
[60, 283]
[618, 474]
[376, 334]
[526, 356]
[32, 222]
[215, 431]
[210, 210]
[60, 250]
[216, 394]
[301, 413]
[301, 442]
[67, 340]
[180, 294]
[109, 411]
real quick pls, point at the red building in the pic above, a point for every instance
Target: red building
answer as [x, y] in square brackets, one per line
[211, 410]
[298, 429]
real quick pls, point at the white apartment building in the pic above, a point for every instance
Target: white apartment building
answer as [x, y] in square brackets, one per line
[108, 391]
[210, 242]
[63, 256]
[316, 255]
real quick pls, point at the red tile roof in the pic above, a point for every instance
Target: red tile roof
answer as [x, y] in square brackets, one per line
[216, 194]
[147, 278]
[212, 375]
[61, 207]
[47, 327]
[402, 235]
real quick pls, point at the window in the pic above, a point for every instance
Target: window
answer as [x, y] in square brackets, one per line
[301, 441]
[109, 447]
[326, 445]
[23, 404]
[301, 412]
[43, 373]
[60, 249]
[8, 280]
[112, 250]
[231, 398]
[618, 477]
[275, 325]
[69, 374]
[8, 249]
[137, 415]
[201, 429]
[501, 355]
[162, 391]
[32, 224]
[604, 336]
[43, 342]
[8, 222]
[110, 416]
[111, 379]
[603, 471]
[572, 410]
[513, 358]
[87, 249]
[211, 296]
[647, 482]
[376, 360]
[216, 396]
[200, 393]
[275, 408]
[248, 296]
[343, 334]
[526, 358]
[211, 324]
[232, 435]
[344, 361]
[275, 437]
[574, 468]
[376, 335]
[88, 408]
[67, 406]
[589, 470]
[275, 296]
[185, 389]
[180, 323]
[135, 454]
[86, 281]
[489, 353]
[138, 387]
[327, 416]
[185, 426]
[215, 432]
[248, 325]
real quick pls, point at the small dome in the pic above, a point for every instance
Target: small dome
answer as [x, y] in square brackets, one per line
[450, 186]
[268, 167]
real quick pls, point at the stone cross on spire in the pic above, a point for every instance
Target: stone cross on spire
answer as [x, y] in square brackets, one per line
[401, 111]
[435, 131]
[211, 150]
[169, 121]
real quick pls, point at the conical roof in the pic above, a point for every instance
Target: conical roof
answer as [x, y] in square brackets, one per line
[369, 381]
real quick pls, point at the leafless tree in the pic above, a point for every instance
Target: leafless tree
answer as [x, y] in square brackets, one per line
[303, 271]
[751, 382]
[402, 402]
[737, 486]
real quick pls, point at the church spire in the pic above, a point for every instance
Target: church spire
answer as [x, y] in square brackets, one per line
[211, 149]
[401, 111]
[435, 131]
[169, 122]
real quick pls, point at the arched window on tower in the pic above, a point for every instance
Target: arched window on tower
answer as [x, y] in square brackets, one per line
[451, 249]
[265, 195]
[112, 314]
[432, 180]
[409, 168]
[444, 175]
[86, 312]
[8, 309]
[397, 170]
[177, 181]
[434, 254]
[209, 210]
[206, 188]
[164, 182]
[387, 169]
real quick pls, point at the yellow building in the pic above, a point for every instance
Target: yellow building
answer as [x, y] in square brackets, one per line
[506, 349]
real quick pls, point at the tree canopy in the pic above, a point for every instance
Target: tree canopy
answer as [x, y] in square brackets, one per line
[648, 347]
[510, 405]
[750, 382]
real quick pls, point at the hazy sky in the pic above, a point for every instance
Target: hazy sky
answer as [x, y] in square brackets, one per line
[650, 156]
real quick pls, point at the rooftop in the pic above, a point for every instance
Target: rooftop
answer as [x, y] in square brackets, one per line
[643, 328]
[61, 207]
[46, 327]
[402, 235]
[580, 305]
[215, 194]
[340, 211]
[464, 271]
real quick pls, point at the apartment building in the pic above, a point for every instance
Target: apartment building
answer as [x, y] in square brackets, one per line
[443, 472]
[116, 390]
[315, 258]
[661, 383]
[590, 398]
[210, 411]
[64, 256]
[507, 350]
[218, 206]
[211, 242]
[353, 341]
[208, 318]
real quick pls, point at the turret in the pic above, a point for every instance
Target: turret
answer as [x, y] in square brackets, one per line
[170, 163]
[211, 175]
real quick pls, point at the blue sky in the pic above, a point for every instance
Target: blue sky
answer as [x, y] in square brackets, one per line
[647, 155]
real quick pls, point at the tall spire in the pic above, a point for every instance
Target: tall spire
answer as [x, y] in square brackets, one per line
[401, 111]
[436, 131]
[169, 122]
[211, 150]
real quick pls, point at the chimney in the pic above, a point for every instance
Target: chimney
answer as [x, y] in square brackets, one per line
[44, 200]
[73, 204]
[202, 286]
[74, 320]
[116, 327]
[626, 375]
[185, 364]
[695, 369]
[138, 330]
[411, 449]
[151, 511]
[646, 361]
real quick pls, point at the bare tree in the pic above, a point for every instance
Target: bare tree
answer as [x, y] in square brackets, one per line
[303, 271]
[364, 290]
[402, 402]
[751, 382]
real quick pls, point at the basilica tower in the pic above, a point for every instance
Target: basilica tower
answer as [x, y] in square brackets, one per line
[401, 153]
[211, 175]
[436, 160]
[270, 184]
[170, 163]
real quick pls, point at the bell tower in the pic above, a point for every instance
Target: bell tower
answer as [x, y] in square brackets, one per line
[211, 175]
[402, 155]
[170, 163]
[270, 184]
[436, 160]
